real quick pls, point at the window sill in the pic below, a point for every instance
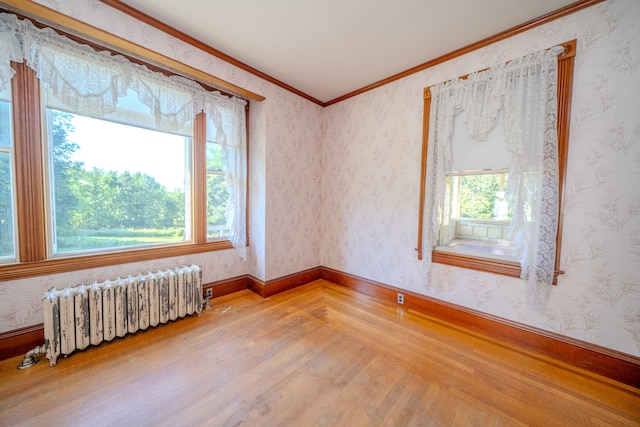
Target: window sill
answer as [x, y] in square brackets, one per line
[489, 265]
[65, 265]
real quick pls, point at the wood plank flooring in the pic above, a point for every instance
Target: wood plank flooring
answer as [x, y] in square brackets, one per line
[318, 355]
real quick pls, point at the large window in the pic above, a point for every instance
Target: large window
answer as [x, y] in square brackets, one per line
[110, 161]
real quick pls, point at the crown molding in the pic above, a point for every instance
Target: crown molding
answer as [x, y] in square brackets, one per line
[567, 10]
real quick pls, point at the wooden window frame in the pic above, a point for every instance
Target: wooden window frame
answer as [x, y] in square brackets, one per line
[32, 254]
[565, 85]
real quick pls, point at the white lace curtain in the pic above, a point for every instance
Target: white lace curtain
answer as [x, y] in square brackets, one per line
[526, 91]
[90, 83]
[230, 121]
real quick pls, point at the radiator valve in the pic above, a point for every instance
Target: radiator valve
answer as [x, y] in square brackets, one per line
[206, 305]
[32, 357]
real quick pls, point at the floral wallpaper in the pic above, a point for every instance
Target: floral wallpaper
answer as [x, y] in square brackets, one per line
[371, 162]
[294, 172]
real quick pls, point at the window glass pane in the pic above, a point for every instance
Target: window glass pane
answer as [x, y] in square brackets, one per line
[475, 216]
[482, 197]
[6, 139]
[7, 195]
[115, 185]
[7, 232]
[217, 194]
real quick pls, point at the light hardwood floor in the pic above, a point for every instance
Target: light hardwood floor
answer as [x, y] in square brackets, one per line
[320, 354]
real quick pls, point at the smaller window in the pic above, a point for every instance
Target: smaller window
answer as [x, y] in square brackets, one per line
[475, 217]
[464, 237]
[7, 186]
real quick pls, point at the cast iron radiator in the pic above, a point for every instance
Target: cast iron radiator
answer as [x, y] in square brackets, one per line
[76, 317]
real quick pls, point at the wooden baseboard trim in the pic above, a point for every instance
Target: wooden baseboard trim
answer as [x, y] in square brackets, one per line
[579, 354]
[19, 341]
[227, 286]
[256, 285]
[281, 284]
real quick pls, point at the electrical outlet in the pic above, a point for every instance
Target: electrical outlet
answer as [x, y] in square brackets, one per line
[400, 298]
[208, 293]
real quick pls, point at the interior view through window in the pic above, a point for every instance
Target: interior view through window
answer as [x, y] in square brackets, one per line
[475, 216]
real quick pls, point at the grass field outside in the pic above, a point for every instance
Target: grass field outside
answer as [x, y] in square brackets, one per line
[87, 240]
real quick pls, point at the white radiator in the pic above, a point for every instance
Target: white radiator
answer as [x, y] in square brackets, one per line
[76, 317]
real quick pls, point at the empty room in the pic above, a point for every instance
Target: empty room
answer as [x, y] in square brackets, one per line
[325, 213]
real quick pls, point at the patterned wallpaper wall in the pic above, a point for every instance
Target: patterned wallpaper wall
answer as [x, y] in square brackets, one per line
[294, 176]
[371, 161]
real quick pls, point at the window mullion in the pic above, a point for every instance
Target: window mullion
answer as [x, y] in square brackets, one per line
[29, 168]
[200, 179]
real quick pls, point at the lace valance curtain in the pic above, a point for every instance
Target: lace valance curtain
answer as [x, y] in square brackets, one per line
[526, 91]
[90, 83]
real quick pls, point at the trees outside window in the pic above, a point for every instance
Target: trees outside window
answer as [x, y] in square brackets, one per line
[114, 206]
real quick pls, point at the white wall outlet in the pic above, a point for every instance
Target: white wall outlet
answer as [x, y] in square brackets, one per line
[208, 293]
[400, 298]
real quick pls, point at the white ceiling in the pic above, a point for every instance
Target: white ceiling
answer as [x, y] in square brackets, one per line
[329, 48]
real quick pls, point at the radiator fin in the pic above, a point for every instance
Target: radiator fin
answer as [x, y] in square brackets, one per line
[96, 326]
[109, 311]
[51, 305]
[67, 322]
[121, 308]
[154, 301]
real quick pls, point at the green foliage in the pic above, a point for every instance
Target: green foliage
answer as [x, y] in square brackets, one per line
[214, 156]
[121, 205]
[127, 233]
[76, 240]
[217, 194]
[101, 209]
[66, 200]
[216, 200]
[114, 200]
[478, 195]
[92, 208]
